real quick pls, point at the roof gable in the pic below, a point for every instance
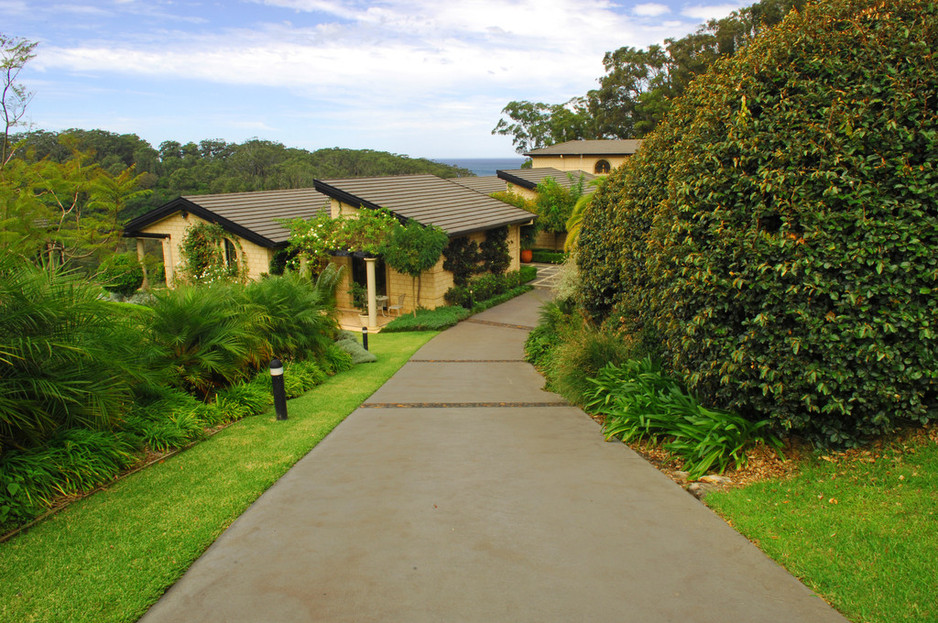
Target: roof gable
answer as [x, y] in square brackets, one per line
[250, 215]
[427, 199]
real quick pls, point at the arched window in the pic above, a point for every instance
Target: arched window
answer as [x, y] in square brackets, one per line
[231, 255]
[602, 167]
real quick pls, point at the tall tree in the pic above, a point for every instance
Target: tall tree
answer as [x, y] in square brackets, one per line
[15, 52]
[639, 85]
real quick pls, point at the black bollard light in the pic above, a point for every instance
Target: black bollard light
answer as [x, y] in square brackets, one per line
[280, 395]
[472, 301]
[365, 338]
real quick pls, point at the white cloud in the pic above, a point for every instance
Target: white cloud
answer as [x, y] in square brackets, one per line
[705, 12]
[80, 9]
[651, 9]
[384, 51]
[387, 68]
[15, 7]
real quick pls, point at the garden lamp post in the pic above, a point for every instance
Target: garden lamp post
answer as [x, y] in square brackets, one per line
[280, 395]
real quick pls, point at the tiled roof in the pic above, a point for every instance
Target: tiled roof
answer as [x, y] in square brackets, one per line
[530, 178]
[487, 185]
[605, 147]
[252, 215]
[428, 199]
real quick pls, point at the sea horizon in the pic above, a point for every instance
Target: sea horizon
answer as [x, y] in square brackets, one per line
[483, 167]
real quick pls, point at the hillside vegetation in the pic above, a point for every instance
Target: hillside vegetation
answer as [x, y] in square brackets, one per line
[216, 166]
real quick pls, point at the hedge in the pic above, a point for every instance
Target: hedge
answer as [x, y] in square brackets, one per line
[779, 230]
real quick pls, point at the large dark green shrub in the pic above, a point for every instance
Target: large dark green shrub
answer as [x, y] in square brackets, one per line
[613, 241]
[122, 274]
[792, 258]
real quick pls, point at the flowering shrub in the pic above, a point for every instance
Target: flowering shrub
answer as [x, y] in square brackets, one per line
[315, 239]
[206, 259]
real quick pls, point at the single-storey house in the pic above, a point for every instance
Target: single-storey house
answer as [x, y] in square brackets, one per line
[590, 156]
[253, 219]
[430, 200]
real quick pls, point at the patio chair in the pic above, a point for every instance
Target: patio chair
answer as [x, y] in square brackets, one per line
[399, 307]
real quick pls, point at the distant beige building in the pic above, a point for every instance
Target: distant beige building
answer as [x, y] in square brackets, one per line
[598, 157]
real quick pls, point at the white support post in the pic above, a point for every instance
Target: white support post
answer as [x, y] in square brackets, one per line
[372, 292]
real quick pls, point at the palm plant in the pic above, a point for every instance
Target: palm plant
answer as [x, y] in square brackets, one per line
[208, 337]
[67, 359]
[300, 319]
[575, 221]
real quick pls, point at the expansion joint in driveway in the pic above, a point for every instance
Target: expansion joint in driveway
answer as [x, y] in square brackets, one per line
[467, 361]
[459, 405]
[500, 324]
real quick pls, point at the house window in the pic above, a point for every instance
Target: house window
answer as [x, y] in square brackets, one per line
[602, 167]
[231, 256]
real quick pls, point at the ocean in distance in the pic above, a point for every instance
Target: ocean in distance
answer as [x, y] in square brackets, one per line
[483, 166]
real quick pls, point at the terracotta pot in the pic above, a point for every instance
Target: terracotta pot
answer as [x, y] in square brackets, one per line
[526, 255]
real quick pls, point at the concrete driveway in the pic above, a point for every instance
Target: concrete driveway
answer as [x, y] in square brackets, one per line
[461, 491]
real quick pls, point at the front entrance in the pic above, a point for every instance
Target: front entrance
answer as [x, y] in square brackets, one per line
[381, 275]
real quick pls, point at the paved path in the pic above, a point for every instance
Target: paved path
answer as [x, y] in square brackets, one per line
[548, 275]
[461, 491]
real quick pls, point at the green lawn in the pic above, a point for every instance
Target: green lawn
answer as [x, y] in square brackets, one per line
[111, 556]
[861, 530]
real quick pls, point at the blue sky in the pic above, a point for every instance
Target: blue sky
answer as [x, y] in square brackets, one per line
[425, 78]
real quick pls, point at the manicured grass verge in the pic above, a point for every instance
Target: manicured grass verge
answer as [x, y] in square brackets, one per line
[428, 319]
[501, 298]
[109, 557]
[861, 530]
[445, 317]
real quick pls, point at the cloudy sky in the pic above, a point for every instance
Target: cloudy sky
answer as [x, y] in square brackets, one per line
[426, 78]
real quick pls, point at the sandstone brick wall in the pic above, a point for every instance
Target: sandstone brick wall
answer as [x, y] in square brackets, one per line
[527, 193]
[550, 240]
[175, 226]
[576, 163]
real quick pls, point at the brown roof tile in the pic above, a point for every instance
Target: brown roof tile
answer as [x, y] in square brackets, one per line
[259, 211]
[530, 178]
[486, 185]
[428, 199]
[252, 215]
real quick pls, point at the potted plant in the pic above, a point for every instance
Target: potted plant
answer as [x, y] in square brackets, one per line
[528, 236]
[359, 299]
